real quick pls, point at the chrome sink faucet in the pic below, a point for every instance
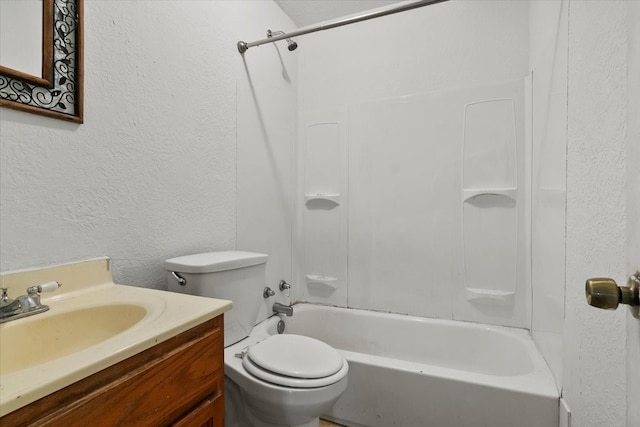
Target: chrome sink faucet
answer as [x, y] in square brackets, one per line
[25, 305]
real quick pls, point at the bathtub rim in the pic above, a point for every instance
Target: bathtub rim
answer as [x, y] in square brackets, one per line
[539, 382]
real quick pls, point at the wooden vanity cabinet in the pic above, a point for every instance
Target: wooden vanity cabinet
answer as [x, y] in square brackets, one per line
[179, 382]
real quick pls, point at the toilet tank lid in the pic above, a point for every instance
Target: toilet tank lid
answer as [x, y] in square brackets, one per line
[211, 262]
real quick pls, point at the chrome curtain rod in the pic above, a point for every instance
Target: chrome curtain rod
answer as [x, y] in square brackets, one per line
[243, 46]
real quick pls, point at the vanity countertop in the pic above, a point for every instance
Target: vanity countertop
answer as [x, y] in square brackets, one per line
[88, 285]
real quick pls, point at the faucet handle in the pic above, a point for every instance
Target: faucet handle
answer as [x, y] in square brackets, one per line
[49, 286]
[43, 287]
[5, 299]
[284, 286]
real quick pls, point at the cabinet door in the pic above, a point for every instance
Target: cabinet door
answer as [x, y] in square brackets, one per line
[152, 388]
[209, 413]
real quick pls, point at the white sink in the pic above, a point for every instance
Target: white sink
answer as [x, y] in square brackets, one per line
[40, 338]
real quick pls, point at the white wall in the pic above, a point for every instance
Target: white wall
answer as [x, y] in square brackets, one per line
[396, 89]
[633, 208]
[175, 121]
[447, 45]
[548, 31]
[267, 85]
[154, 171]
[594, 377]
[337, 74]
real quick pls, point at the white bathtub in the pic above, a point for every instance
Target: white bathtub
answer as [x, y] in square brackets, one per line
[414, 372]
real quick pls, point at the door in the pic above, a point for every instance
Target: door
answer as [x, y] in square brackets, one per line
[633, 209]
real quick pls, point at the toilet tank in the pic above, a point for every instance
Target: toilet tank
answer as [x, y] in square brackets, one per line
[232, 275]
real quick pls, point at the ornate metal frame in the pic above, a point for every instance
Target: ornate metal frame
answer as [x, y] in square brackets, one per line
[63, 99]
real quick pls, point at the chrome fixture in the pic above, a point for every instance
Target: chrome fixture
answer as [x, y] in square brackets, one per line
[181, 280]
[287, 310]
[268, 292]
[284, 286]
[242, 353]
[5, 300]
[25, 305]
[291, 45]
[243, 46]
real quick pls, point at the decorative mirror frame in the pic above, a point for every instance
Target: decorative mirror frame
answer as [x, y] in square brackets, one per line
[59, 92]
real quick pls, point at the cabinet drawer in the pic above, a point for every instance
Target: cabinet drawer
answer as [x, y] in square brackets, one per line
[209, 413]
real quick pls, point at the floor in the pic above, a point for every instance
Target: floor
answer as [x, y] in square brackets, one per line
[325, 423]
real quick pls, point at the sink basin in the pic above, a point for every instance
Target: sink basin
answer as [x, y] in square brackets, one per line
[30, 341]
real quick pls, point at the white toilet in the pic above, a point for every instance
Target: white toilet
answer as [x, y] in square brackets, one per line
[270, 380]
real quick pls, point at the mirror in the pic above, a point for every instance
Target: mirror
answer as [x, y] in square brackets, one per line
[26, 40]
[41, 63]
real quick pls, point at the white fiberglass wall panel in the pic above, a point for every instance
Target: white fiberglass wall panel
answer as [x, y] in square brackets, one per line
[402, 193]
[411, 237]
[321, 203]
[548, 58]
[494, 202]
[405, 178]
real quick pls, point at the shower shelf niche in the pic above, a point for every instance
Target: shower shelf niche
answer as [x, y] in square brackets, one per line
[321, 205]
[329, 197]
[491, 201]
[509, 193]
[326, 281]
[489, 296]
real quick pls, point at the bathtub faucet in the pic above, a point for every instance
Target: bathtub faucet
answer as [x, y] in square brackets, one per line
[284, 309]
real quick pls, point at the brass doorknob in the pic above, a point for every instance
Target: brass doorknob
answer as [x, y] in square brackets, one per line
[605, 293]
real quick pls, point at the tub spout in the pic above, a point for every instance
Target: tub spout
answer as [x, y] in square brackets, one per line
[284, 309]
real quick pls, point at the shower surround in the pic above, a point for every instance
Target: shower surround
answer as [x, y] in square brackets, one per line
[413, 164]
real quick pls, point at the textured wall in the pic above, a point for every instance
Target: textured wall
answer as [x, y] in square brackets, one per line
[633, 209]
[151, 173]
[594, 340]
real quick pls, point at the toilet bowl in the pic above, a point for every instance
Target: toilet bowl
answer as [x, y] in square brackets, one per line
[293, 394]
[270, 379]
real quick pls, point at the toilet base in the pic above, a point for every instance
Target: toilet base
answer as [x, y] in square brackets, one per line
[259, 423]
[238, 415]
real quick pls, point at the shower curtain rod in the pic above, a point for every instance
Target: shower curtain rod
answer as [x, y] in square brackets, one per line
[243, 46]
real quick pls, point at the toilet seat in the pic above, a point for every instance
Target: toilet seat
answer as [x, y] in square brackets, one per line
[295, 361]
